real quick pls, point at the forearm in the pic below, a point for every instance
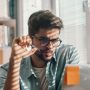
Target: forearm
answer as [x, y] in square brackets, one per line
[12, 81]
[18, 51]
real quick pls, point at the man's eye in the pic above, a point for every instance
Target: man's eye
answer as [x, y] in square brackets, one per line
[40, 39]
[43, 39]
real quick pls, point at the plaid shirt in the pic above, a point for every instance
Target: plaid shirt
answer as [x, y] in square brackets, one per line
[65, 54]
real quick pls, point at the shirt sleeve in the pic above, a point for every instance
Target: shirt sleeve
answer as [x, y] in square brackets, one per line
[3, 75]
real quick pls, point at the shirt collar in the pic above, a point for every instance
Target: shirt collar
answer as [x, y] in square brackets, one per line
[54, 57]
[26, 67]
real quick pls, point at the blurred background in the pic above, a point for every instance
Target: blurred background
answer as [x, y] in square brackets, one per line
[75, 14]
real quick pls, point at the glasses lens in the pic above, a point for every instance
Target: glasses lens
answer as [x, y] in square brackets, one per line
[44, 42]
[56, 42]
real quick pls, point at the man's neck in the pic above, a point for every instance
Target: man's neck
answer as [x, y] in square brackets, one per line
[38, 62]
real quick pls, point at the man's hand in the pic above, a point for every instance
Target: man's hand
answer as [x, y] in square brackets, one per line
[19, 48]
[19, 51]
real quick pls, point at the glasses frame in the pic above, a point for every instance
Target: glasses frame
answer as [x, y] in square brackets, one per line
[47, 40]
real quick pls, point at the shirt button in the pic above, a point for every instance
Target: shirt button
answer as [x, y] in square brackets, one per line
[37, 83]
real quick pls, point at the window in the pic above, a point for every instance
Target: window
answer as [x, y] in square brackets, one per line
[74, 18]
[29, 7]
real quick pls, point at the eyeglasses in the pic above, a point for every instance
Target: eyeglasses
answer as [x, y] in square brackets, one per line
[45, 41]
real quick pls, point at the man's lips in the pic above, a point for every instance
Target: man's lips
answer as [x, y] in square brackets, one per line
[46, 51]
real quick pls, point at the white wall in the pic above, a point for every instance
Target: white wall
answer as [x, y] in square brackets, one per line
[3, 8]
[24, 10]
[29, 7]
[3, 29]
[88, 31]
[46, 4]
[75, 33]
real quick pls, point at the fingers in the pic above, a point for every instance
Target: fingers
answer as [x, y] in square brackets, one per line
[30, 52]
[20, 46]
[20, 43]
[23, 41]
[23, 53]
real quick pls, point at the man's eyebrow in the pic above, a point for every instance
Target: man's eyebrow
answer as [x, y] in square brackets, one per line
[56, 38]
[45, 37]
[42, 37]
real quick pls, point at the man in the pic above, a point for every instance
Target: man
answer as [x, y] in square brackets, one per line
[42, 67]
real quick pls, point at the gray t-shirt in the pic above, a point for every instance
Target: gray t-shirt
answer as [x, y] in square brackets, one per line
[40, 72]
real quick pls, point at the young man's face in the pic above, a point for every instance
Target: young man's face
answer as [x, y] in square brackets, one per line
[46, 41]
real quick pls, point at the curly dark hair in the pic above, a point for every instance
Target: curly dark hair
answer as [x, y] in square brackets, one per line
[43, 19]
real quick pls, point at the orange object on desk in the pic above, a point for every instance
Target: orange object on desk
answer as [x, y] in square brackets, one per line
[72, 75]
